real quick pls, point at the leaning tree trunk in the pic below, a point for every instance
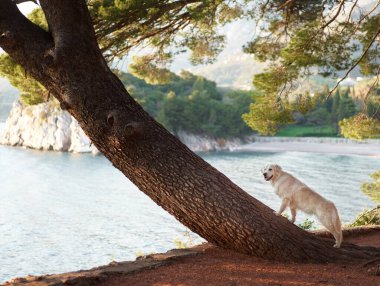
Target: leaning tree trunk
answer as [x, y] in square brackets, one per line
[68, 62]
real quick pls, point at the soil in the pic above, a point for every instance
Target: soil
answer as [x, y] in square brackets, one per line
[210, 265]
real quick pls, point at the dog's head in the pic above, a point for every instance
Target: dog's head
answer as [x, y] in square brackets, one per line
[271, 171]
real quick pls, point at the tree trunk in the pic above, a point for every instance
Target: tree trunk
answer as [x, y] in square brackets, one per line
[68, 62]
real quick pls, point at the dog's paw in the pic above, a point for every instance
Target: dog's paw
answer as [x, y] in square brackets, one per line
[336, 245]
[277, 213]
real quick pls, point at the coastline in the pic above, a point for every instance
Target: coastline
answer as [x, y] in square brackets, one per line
[349, 147]
[199, 143]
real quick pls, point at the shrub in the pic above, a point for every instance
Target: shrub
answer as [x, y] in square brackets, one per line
[368, 217]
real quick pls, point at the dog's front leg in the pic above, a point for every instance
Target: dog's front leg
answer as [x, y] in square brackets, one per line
[284, 204]
[294, 213]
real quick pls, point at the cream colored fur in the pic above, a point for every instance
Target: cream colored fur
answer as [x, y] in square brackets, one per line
[298, 196]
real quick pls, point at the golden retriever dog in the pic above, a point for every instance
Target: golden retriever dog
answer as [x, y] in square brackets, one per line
[297, 196]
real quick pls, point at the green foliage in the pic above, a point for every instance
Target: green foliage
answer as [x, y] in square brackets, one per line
[307, 224]
[347, 106]
[193, 104]
[168, 27]
[372, 189]
[307, 113]
[368, 217]
[37, 16]
[298, 39]
[307, 131]
[144, 68]
[266, 114]
[31, 92]
[313, 115]
[318, 116]
[359, 127]
[370, 63]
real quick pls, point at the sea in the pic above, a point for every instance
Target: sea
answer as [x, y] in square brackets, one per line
[63, 212]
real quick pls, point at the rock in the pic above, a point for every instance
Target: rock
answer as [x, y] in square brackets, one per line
[46, 127]
[80, 143]
[206, 143]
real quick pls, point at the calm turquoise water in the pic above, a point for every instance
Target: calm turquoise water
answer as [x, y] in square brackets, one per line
[64, 212]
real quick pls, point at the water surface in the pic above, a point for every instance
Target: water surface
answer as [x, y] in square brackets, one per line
[64, 212]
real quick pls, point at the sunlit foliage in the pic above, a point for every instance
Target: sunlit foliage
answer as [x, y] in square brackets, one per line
[31, 91]
[372, 189]
[300, 39]
[360, 127]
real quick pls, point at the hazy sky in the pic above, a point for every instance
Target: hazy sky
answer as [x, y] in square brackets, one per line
[26, 7]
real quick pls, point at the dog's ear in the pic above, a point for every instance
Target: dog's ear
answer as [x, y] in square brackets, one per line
[277, 168]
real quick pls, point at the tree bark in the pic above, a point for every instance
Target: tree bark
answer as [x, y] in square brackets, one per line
[68, 62]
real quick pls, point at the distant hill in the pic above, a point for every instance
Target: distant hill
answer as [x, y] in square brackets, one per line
[234, 71]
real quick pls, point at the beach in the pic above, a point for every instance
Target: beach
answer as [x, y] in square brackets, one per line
[315, 145]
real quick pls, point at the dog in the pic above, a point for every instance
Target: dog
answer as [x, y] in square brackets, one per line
[297, 196]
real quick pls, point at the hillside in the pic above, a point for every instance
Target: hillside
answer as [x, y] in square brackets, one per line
[193, 104]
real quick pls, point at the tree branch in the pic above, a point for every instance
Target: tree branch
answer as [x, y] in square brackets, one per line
[70, 25]
[352, 9]
[335, 16]
[24, 41]
[284, 4]
[356, 63]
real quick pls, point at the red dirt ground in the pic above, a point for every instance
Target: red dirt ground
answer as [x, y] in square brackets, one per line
[216, 266]
[211, 265]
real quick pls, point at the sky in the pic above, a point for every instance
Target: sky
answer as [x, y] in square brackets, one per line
[27, 7]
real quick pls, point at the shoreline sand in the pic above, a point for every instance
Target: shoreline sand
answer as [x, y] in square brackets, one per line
[349, 148]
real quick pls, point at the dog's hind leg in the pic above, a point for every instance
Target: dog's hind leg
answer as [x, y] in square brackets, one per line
[338, 238]
[338, 229]
[330, 223]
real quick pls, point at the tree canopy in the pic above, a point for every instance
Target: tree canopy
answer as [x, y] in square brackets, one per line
[299, 39]
[296, 39]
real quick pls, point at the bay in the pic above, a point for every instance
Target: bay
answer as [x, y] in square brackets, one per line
[63, 212]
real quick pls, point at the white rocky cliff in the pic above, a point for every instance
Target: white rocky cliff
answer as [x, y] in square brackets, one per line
[46, 127]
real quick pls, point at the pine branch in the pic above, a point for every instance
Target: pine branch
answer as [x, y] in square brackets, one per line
[356, 63]
[335, 16]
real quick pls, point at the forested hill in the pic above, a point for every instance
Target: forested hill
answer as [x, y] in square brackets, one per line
[192, 103]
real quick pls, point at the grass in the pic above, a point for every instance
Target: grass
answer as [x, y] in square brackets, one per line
[307, 131]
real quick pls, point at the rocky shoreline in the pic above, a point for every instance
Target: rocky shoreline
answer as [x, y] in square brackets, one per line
[46, 127]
